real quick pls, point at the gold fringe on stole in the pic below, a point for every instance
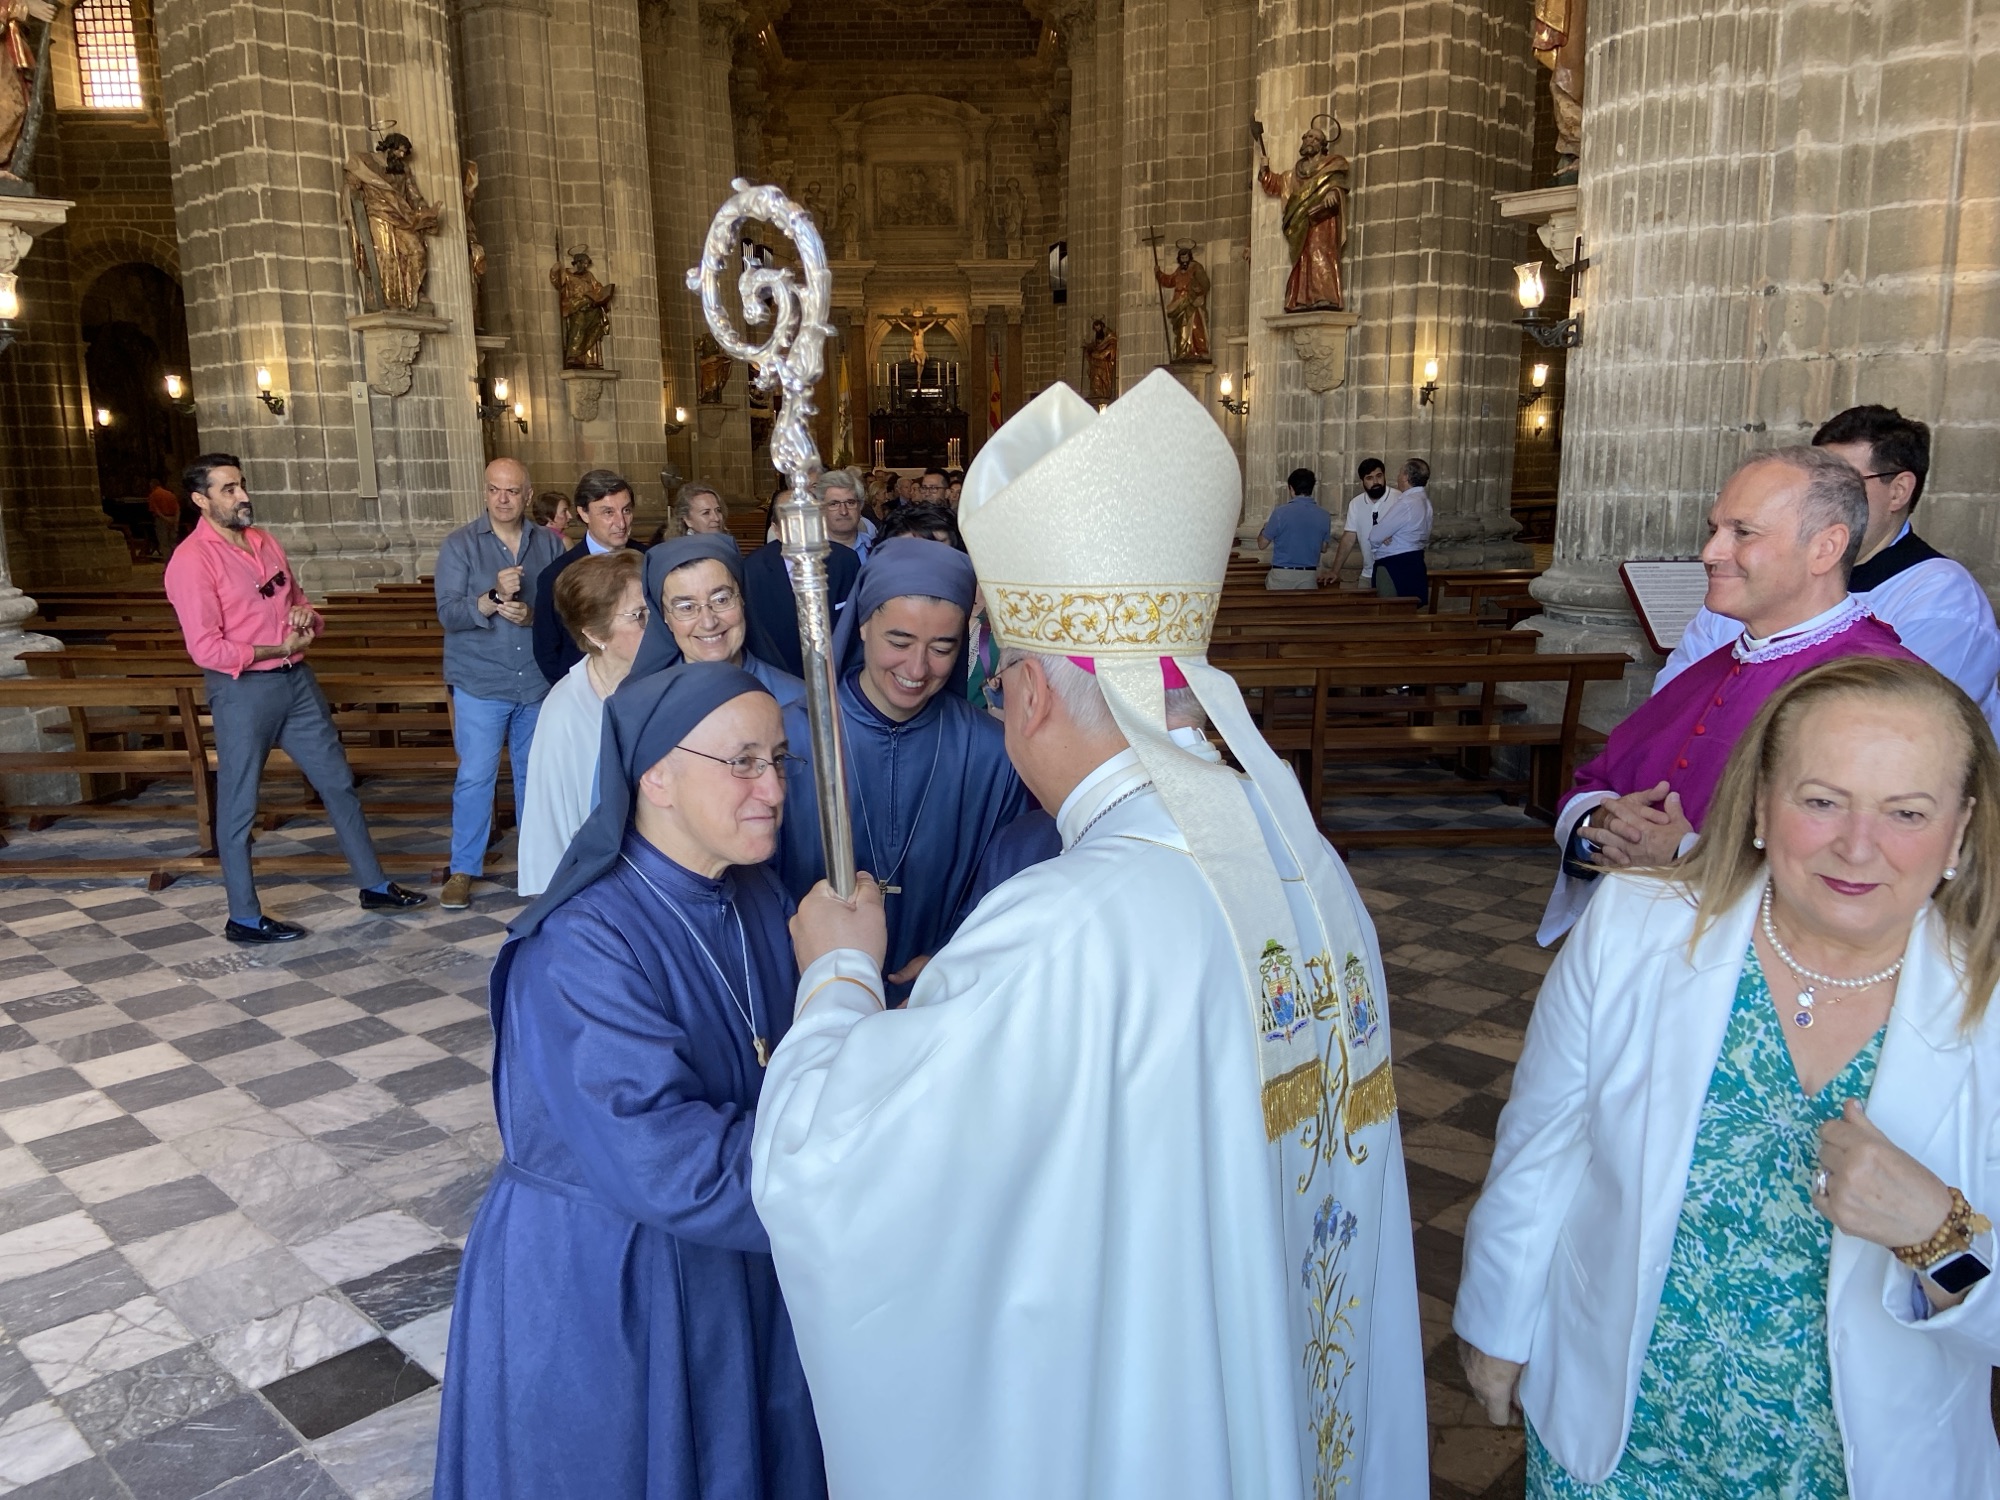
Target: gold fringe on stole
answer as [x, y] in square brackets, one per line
[1292, 1098]
[1372, 1100]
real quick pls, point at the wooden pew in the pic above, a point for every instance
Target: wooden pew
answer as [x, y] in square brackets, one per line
[1324, 735]
[1475, 584]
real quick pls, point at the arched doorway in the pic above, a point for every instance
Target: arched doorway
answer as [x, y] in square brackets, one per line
[135, 335]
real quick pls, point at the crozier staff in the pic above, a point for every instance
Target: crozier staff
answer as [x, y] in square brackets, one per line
[1734, 1239]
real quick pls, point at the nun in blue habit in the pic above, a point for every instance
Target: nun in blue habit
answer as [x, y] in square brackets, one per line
[713, 634]
[619, 1331]
[929, 782]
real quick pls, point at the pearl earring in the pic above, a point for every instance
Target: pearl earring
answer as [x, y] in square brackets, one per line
[1757, 842]
[1951, 872]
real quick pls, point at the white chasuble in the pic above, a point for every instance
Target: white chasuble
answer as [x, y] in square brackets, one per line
[1032, 1231]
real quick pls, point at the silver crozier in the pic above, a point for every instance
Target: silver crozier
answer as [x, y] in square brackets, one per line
[789, 362]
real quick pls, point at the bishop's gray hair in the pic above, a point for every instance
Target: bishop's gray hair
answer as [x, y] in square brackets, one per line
[1834, 495]
[1083, 698]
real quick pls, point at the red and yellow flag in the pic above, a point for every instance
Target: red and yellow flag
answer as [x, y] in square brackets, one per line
[993, 396]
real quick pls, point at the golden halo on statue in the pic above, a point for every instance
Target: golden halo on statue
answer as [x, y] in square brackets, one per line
[1331, 120]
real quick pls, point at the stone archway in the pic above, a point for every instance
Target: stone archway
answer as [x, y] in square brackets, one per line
[134, 325]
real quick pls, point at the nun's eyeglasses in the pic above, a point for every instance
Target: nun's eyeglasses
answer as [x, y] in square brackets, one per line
[721, 602]
[750, 767]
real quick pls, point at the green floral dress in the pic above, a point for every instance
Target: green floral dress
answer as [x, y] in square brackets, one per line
[1735, 1400]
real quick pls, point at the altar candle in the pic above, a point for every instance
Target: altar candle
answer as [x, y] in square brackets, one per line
[951, 446]
[881, 453]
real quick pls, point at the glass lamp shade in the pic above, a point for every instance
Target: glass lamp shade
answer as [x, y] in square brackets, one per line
[1530, 290]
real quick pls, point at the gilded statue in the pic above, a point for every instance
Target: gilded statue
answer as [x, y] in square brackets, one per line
[1187, 309]
[475, 252]
[1100, 355]
[1315, 194]
[389, 225]
[19, 80]
[1558, 47]
[712, 368]
[586, 311]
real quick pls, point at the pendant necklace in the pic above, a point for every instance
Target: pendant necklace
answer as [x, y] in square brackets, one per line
[757, 1043]
[1810, 979]
[886, 880]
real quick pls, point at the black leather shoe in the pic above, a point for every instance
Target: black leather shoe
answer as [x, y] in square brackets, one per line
[393, 899]
[266, 930]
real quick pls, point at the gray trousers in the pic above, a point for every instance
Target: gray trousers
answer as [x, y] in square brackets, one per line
[284, 708]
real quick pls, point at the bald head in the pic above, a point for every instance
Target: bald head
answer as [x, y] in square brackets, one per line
[507, 492]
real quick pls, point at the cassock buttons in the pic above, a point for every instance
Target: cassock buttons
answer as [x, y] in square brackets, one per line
[1681, 764]
[1701, 729]
[1718, 700]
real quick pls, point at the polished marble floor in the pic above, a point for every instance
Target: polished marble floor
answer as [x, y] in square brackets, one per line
[234, 1182]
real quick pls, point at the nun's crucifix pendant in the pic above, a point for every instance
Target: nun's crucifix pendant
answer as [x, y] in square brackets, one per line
[763, 1050]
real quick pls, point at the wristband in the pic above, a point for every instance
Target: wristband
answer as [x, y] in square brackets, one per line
[494, 595]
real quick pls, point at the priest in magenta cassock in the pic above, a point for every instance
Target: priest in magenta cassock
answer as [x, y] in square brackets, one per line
[1787, 527]
[1115, 1208]
[619, 1331]
[928, 779]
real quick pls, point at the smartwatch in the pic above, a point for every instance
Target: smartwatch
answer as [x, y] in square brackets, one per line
[494, 595]
[1957, 1273]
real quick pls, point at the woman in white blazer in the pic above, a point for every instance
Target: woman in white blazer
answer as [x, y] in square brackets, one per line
[1701, 1265]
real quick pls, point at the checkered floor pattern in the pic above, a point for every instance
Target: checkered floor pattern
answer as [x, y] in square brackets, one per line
[234, 1182]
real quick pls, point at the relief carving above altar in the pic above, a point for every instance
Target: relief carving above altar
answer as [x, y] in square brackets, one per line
[916, 195]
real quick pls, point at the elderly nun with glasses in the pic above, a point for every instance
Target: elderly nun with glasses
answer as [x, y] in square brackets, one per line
[619, 1331]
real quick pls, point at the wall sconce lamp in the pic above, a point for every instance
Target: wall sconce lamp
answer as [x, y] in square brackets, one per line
[275, 403]
[10, 310]
[1538, 379]
[521, 415]
[177, 396]
[1542, 424]
[1564, 334]
[493, 393]
[1226, 397]
[1427, 392]
[103, 416]
[678, 422]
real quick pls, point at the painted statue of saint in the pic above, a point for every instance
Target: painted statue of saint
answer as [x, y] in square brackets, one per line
[1559, 48]
[1187, 309]
[1315, 194]
[1100, 354]
[586, 311]
[17, 79]
[390, 225]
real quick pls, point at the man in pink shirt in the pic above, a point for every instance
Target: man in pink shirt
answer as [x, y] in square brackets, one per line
[247, 626]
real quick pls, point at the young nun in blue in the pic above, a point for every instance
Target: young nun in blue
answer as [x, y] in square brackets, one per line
[929, 783]
[694, 599]
[619, 1332]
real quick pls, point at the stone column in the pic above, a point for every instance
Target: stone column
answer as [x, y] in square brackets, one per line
[1433, 99]
[604, 200]
[685, 47]
[264, 104]
[1806, 231]
[1091, 30]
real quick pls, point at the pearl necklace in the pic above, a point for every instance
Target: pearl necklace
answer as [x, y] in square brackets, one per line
[1811, 979]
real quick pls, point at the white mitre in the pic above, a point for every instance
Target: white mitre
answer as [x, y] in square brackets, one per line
[1105, 537]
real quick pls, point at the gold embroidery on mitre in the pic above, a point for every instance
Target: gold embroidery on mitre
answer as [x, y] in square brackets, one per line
[1157, 621]
[1292, 1098]
[1371, 1101]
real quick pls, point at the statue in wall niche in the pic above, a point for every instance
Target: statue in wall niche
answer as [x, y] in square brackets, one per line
[1187, 309]
[1100, 358]
[389, 225]
[847, 221]
[712, 368]
[1315, 194]
[475, 252]
[982, 217]
[813, 201]
[1558, 47]
[1011, 207]
[586, 311]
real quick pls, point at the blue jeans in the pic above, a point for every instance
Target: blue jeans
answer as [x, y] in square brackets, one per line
[480, 726]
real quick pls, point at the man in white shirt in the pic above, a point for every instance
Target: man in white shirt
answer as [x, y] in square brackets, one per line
[1401, 532]
[1362, 513]
[1936, 606]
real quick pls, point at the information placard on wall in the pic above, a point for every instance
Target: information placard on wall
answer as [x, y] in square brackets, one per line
[1666, 593]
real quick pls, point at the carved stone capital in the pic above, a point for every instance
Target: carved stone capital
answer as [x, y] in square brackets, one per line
[1319, 339]
[1552, 211]
[585, 390]
[390, 344]
[1075, 19]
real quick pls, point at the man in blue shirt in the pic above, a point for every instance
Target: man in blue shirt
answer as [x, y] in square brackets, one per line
[1297, 533]
[604, 505]
[487, 571]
